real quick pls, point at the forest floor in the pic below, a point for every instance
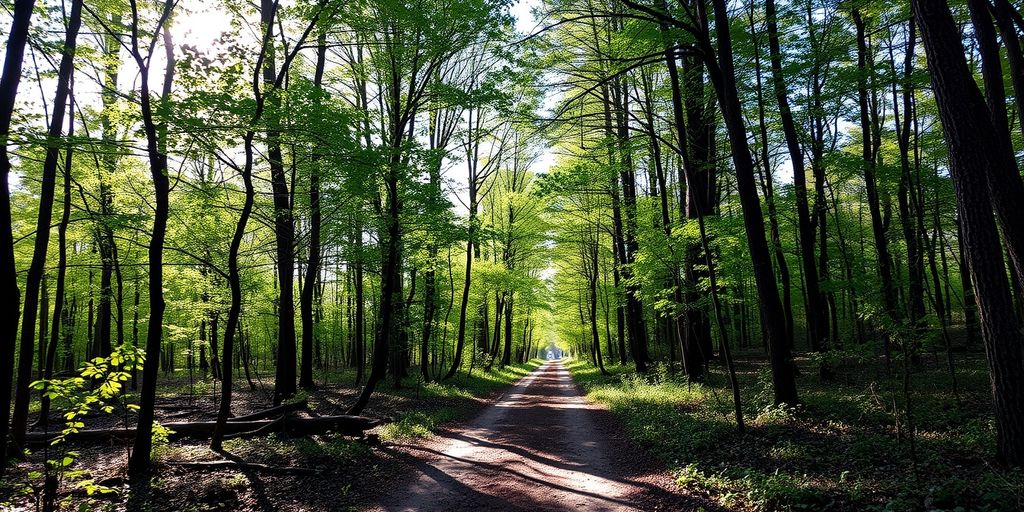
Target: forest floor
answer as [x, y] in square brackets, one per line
[475, 443]
[845, 448]
[338, 473]
[541, 446]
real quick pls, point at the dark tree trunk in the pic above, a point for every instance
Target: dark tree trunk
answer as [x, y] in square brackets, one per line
[630, 246]
[62, 263]
[773, 317]
[17, 37]
[313, 261]
[817, 318]
[908, 206]
[472, 249]
[460, 339]
[138, 464]
[971, 140]
[506, 355]
[1015, 58]
[1004, 180]
[868, 132]
[284, 226]
[19, 418]
[700, 175]
[593, 270]
[768, 184]
[687, 323]
[359, 356]
[388, 312]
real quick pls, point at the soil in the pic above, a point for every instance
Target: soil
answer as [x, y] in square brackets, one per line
[540, 446]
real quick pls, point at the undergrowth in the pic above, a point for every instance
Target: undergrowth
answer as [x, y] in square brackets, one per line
[841, 449]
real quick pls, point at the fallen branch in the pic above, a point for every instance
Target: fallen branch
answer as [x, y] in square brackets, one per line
[260, 431]
[214, 465]
[343, 424]
[273, 411]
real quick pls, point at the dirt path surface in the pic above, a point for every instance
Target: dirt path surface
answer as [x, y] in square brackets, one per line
[540, 446]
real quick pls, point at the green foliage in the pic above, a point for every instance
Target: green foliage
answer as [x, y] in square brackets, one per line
[99, 387]
[836, 452]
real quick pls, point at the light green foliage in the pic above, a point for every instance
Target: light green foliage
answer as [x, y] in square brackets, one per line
[99, 387]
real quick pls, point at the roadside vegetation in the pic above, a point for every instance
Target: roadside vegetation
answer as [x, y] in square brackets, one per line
[841, 449]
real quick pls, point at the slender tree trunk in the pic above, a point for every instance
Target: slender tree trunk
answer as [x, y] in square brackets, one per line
[768, 184]
[1005, 184]
[817, 318]
[19, 418]
[284, 226]
[971, 141]
[17, 37]
[907, 205]
[138, 464]
[773, 319]
[360, 320]
[313, 263]
[62, 262]
[460, 337]
[878, 226]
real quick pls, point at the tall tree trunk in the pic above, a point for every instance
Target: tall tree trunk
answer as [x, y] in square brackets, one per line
[17, 37]
[592, 271]
[506, 355]
[1014, 56]
[62, 262]
[768, 183]
[19, 418]
[878, 226]
[1004, 180]
[138, 464]
[908, 206]
[390, 312]
[360, 314]
[284, 225]
[971, 141]
[472, 248]
[687, 323]
[817, 318]
[773, 319]
[313, 260]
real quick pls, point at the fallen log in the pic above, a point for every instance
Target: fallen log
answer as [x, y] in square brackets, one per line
[273, 411]
[214, 465]
[343, 424]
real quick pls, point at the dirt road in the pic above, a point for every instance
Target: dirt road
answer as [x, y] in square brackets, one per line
[540, 446]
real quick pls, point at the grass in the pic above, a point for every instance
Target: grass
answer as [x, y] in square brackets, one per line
[845, 448]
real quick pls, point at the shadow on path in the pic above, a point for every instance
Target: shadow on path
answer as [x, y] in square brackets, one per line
[541, 446]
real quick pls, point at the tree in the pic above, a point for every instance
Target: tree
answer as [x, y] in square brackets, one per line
[157, 156]
[19, 419]
[9, 81]
[973, 155]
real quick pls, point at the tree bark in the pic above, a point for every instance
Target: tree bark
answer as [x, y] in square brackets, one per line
[284, 224]
[313, 260]
[971, 139]
[878, 226]
[17, 37]
[773, 319]
[62, 261]
[19, 418]
[817, 318]
[138, 464]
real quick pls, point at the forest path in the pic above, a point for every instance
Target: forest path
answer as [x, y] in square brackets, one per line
[540, 446]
